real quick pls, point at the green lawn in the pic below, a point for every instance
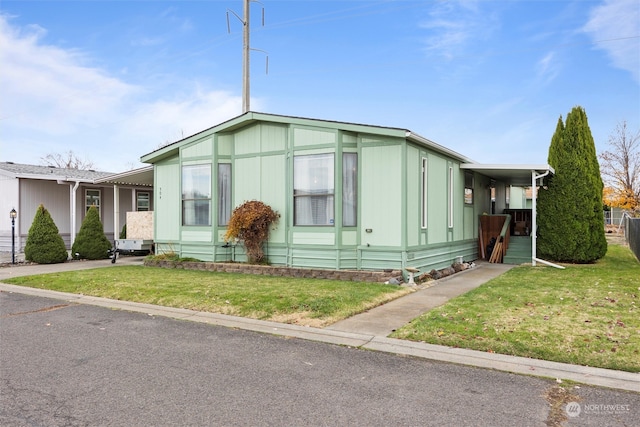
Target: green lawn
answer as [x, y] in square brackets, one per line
[585, 314]
[311, 302]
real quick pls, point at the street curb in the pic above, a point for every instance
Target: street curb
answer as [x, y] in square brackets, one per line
[520, 365]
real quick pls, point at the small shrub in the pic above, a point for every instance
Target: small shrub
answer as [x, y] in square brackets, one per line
[91, 242]
[123, 232]
[44, 243]
[251, 222]
[170, 256]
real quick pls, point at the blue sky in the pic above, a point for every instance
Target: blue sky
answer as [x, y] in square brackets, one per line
[113, 80]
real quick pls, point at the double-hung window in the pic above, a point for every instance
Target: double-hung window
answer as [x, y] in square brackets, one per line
[143, 201]
[196, 194]
[468, 188]
[91, 198]
[313, 189]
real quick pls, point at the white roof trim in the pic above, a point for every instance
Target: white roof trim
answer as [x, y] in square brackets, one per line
[141, 177]
[514, 174]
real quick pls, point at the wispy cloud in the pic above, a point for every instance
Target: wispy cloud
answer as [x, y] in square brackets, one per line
[613, 26]
[452, 25]
[42, 83]
[547, 68]
[56, 100]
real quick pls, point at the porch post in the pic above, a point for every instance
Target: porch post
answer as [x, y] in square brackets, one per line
[74, 208]
[116, 212]
[534, 224]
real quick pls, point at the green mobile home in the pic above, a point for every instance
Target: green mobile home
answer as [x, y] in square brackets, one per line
[350, 196]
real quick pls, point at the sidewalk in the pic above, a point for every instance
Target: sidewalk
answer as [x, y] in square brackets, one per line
[367, 330]
[385, 319]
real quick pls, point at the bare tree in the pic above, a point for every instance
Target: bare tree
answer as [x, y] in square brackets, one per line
[68, 160]
[620, 166]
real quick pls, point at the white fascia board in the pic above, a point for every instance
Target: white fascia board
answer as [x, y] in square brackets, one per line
[484, 166]
[437, 147]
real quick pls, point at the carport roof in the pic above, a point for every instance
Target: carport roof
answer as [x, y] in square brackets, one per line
[517, 175]
[136, 177]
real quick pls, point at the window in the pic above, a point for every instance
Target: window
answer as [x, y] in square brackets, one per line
[450, 197]
[143, 202]
[468, 188]
[196, 195]
[349, 189]
[424, 193]
[92, 198]
[313, 190]
[224, 193]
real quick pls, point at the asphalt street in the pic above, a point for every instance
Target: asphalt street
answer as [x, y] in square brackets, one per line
[68, 364]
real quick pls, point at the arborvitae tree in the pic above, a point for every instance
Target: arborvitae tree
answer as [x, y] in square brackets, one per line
[91, 243]
[44, 243]
[570, 221]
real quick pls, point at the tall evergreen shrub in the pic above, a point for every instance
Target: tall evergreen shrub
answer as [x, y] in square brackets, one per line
[44, 243]
[570, 222]
[91, 243]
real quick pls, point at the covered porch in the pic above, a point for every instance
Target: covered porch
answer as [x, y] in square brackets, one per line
[514, 227]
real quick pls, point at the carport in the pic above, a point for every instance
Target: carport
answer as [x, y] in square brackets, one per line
[133, 179]
[522, 176]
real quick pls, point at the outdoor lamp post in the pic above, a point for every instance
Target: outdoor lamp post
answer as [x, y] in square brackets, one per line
[13, 214]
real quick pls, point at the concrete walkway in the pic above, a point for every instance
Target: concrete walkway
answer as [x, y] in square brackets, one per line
[385, 319]
[367, 331]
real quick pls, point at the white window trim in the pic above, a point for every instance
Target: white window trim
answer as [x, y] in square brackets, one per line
[471, 188]
[209, 189]
[423, 190]
[138, 193]
[329, 195]
[229, 209]
[450, 221]
[98, 206]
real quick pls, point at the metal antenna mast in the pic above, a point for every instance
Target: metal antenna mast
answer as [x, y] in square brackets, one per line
[246, 49]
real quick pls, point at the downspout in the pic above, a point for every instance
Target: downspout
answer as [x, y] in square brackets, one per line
[534, 220]
[72, 207]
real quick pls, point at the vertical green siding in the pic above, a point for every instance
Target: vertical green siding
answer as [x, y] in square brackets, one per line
[273, 192]
[327, 238]
[389, 197]
[458, 202]
[198, 149]
[349, 238]
[381, 196]
[167, 201]
[196, 234]
[225, 145]
[247, 141]
[246, 178]
[273, 138]
[305, 137]
[469, 222]
[437, 199]
[413, 200]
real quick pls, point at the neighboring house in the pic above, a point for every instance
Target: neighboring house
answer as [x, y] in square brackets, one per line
[67, 194]
[350, 196]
